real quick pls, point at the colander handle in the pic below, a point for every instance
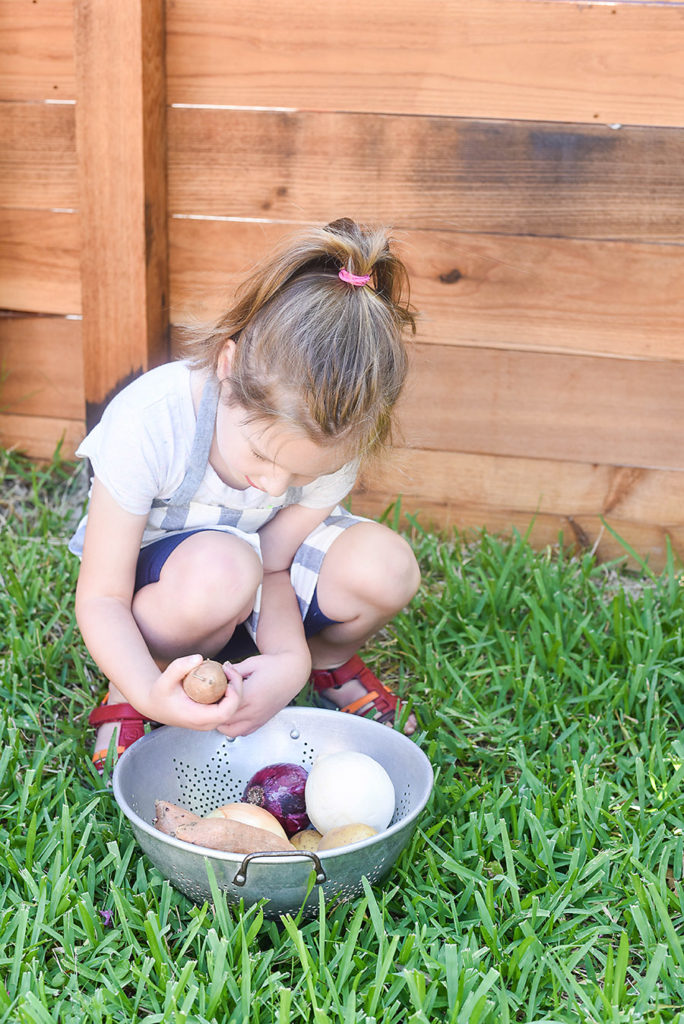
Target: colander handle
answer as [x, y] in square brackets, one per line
[241, 875]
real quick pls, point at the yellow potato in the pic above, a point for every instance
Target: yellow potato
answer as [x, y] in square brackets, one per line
[308, 839]
[344, 835]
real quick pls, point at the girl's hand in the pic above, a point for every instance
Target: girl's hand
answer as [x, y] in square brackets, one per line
[270, 683]
[167, 701]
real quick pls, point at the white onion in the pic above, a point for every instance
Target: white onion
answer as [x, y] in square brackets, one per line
[250, 814]
[347, 788]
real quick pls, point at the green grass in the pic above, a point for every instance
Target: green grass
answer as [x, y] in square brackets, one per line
[544, 882]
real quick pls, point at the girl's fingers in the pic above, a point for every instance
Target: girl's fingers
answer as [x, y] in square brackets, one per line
[233, 696]
[233, 675]
[200, 716]
[176, 671]
[230, 703]
[247, 666]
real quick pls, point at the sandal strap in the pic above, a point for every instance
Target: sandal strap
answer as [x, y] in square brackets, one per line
[325, 678]
[366, 707]
[131, 722]
[377, 698]
[357, 705]
[106, 713]
[100, 757]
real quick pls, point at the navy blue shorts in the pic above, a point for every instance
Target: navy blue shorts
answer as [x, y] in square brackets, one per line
[150, 562]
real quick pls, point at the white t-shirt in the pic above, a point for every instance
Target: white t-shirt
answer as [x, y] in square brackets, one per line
[140, 451]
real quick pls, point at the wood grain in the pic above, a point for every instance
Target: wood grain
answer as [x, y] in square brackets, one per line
[528, 485]
[40, 436]
[626, 413]
[42, 367]
[504, 177]
[120, 117]
[586, 533]
[543, 237]
[36, 50]
[534, 59]
[39, 261]
[546, 406]
[37, 156]
[522, 59]
[542, 497]
[495, 291]
[552, 295]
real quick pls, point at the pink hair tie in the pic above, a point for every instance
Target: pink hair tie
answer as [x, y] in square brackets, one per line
[356, 279]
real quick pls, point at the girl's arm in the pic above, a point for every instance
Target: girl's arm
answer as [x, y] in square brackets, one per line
[286, 532]
[272, 678]
[104, 595]
[277, 674]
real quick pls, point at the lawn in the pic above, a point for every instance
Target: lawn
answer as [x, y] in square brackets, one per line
[544, 882]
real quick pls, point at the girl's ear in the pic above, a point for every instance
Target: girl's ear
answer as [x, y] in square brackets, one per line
[225, 360]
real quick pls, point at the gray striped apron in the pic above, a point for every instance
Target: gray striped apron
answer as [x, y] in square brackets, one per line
[308, 558]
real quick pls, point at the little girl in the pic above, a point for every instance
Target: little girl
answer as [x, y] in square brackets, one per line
[214, 527]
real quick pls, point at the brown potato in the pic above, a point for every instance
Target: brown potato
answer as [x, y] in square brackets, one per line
[168, 817]
[231, 836]
[344, 835]
[308, 839]
[207, 683]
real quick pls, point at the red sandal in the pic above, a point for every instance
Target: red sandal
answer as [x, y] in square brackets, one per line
[377, 698]
[132, 727]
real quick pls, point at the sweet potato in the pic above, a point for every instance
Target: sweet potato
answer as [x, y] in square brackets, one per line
[231, 836]
[168, 817]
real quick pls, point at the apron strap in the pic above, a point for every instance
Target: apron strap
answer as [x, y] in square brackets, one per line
[179, 501]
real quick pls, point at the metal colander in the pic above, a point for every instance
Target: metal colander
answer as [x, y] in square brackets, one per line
[202, 770]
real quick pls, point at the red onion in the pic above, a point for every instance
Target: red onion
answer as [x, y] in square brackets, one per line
[280, 789]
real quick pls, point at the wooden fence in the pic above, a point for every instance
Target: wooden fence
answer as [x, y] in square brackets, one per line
[528, 153]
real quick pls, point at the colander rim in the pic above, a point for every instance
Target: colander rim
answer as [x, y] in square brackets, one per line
[134, 751]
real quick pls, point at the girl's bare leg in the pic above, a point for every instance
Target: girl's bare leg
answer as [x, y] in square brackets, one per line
[206, 587]
[367, 577]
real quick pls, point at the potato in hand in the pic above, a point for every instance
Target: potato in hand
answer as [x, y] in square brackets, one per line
[207, 683]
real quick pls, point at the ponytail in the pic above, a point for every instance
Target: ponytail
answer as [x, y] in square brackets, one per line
[319, 329]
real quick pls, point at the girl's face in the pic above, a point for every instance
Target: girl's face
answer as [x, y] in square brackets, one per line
[270, 456]
[265, 455]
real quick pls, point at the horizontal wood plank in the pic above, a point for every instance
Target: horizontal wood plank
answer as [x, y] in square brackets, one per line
[36, 50]
[504, 177]
[42, 367]
[39, 437]
[39, 261]
[446, 490]
[38, 156]
[586, 533]
[547, 294]
[546, 406]
[523, 59]
[528, 486]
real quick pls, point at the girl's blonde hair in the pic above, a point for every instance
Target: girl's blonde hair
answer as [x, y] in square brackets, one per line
[312, 349]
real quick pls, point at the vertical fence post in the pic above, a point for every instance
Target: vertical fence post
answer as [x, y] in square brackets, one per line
[121, 145]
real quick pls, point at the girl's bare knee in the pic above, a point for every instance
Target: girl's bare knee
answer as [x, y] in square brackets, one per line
[396, 568]
[377, 565]
[214, 577]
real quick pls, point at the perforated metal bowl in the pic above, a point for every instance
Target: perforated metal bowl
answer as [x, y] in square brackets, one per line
[202, 770]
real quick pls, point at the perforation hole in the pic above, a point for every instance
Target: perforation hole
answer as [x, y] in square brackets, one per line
[308, 755]
[203, 789]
